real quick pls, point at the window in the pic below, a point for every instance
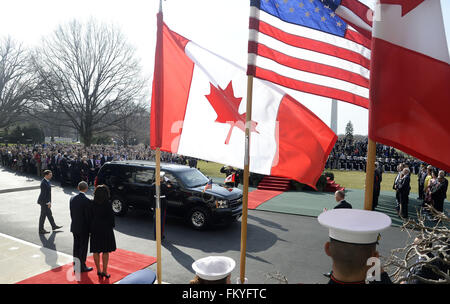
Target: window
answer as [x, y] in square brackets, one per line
[193, 178]
[144, 176]
[128, 174]
[169, 177]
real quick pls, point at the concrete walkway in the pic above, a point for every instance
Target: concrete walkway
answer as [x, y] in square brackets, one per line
[20, 259]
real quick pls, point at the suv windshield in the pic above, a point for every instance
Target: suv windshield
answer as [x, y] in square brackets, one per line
[192, 178]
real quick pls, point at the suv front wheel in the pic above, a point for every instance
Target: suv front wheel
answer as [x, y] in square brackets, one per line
[198, 218]
[119, 207]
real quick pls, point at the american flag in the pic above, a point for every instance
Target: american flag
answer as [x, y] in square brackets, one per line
[304, 45]
[208, 185]
[357, 13]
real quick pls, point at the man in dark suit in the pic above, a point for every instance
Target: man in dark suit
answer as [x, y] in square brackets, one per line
[339, 196]
[340, 199]
[395, 186]
[421, 180]
[64, 170]
[404, 186]
[103, 159]
[376, 185]
[110, 157]
[80, 215]
[439, 192]
[91, 170]
[45, 199]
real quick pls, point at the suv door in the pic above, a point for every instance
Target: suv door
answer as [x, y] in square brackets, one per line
[140, 189]
[174, 194]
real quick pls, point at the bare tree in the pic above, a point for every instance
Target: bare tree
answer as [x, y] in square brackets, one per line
[89, 71]
[135, 125]
[430, 250]
[17, 81]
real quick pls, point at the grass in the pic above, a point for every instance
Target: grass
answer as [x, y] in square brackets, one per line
[357, 180]
[210, 169]
[347, 179]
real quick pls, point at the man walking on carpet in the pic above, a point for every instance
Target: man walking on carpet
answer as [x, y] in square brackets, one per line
[80, 207]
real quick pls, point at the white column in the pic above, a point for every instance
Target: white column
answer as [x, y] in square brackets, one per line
[334, 111]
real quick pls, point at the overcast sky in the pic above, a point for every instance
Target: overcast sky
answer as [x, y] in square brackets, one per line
[221, 26]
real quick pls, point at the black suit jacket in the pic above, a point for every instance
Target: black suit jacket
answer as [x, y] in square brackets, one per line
[80, 212]
[440, 191]
[343, 204]
[46, 194]
[404, 185]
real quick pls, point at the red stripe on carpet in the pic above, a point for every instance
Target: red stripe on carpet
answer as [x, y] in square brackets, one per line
[257, 197]
[121, 263]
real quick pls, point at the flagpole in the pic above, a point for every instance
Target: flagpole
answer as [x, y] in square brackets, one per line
[370, 172]
[158, 215]
[159, 97]
[246, 177]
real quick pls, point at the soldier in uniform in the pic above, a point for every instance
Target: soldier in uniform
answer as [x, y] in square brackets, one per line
[354, 235]
[213, 270]
[165, 187]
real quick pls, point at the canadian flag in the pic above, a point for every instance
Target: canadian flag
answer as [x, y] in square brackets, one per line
[200, 112]
[410, 80]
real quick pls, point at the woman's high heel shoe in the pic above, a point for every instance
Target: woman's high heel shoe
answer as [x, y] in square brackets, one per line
[105, 275]
[100, 274]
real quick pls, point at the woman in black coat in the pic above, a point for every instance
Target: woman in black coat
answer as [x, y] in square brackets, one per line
[102, 233]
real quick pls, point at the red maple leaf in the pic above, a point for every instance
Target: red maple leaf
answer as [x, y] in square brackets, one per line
[226, 106]
[407, 5]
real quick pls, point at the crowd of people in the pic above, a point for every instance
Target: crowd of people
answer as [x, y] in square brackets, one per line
[353, 156]
[72, 163]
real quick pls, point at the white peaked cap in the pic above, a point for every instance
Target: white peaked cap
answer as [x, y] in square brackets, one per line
[354, 226]
[213, 268]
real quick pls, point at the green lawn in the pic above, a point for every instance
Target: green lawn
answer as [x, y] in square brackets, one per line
[357, 180]
[347, 179]
[210, 169]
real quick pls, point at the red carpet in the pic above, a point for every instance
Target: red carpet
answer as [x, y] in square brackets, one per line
[274, 183]
[121, 263]
[257, 197]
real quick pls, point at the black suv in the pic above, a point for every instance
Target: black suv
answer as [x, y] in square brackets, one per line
[132, 185]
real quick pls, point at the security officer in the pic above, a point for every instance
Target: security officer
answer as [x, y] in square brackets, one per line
[354, 235]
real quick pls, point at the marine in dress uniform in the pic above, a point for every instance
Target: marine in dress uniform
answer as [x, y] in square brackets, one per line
[165, 187]
[353, 237]
[213, 269]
